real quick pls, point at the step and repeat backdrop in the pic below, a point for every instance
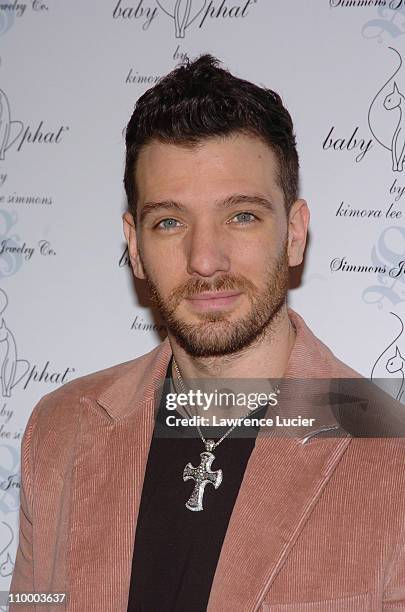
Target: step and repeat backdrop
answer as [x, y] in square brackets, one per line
[70, 74]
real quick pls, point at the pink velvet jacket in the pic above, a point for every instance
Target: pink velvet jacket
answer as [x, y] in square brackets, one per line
[318, 525]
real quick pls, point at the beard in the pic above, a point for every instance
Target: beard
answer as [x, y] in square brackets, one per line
[216, 334]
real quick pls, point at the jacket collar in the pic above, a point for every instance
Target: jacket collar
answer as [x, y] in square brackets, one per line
[143, 376]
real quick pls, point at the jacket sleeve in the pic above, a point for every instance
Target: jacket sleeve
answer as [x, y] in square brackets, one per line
[394, 592]
[23, 575]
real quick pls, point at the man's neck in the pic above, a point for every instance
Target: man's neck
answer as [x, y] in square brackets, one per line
[265, 358]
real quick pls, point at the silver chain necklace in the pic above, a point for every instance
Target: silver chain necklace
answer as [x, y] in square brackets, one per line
[202, 475]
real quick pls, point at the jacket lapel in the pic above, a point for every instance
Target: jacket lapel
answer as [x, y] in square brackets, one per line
[283, 481]
[115, 432]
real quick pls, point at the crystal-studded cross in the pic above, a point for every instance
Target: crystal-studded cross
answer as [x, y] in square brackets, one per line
[202, 476]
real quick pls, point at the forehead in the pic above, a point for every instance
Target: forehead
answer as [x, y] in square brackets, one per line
[212, 168]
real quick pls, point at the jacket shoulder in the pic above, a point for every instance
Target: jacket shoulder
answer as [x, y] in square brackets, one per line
[335, 366]
[62, 403]
[312, 358]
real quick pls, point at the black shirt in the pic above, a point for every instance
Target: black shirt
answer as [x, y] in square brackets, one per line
[176, 550]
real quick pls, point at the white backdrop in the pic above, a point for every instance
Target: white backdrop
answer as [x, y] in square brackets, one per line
[70, 74]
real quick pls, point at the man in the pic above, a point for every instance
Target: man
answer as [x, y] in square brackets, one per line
[117, 511]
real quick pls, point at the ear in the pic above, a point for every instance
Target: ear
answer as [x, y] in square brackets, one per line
[298, 220]
[395, 87]
[132, 242]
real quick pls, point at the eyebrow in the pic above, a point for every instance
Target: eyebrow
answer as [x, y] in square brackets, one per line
[228, 202]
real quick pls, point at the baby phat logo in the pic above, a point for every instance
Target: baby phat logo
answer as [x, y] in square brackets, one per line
[182, 12]
[13, 133]
[10, 130]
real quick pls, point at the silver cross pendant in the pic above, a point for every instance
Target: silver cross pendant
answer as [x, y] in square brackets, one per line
[202, 476]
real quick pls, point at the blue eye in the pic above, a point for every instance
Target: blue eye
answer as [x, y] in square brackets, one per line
[246, 217]
[164, 221]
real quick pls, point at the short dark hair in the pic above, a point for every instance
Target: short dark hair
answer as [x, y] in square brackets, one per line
[198, 100]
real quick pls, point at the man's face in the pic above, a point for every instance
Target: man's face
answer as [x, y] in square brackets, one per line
[211, 220]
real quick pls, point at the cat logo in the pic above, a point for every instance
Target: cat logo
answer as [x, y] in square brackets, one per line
[12, 369]
[9, 130]
[386, 118]
[6, 563]
[183, 13]
[388, 371]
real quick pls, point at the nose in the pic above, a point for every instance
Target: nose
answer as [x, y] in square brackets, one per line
[207, 252]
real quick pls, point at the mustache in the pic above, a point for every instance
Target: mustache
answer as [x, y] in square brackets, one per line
[195, 286]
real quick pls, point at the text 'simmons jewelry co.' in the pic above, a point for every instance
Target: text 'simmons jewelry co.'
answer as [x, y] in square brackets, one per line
[202, 474]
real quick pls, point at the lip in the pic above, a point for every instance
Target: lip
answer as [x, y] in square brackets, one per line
[215, 300]
[214, 295]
